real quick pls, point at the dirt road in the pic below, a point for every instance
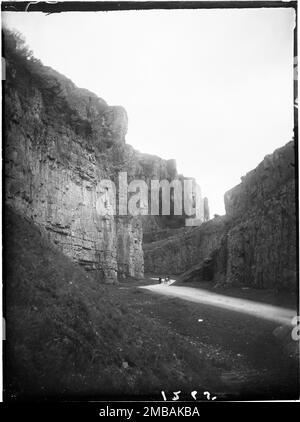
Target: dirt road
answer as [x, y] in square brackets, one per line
[261, 310]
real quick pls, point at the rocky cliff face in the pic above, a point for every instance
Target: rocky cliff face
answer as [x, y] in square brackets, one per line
[60, 141]
[176, 251]
[261, 243]
[254, 244]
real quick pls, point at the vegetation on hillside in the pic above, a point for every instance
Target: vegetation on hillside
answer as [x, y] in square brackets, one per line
[67, 334]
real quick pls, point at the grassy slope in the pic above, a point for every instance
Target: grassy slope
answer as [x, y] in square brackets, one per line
[67, 334]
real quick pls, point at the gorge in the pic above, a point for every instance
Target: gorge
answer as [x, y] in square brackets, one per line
[61, 140]
[77, 322]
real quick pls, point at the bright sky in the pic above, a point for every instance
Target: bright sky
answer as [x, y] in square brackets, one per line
[211, 88]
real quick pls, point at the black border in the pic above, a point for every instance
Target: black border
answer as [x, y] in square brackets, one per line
[74, 408]
[98, 6]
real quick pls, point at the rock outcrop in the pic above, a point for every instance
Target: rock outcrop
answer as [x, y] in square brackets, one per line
[176, 251]
[60, 141]
[261, 243]
[254, 244]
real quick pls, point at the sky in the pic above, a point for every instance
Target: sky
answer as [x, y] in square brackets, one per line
[212, 89]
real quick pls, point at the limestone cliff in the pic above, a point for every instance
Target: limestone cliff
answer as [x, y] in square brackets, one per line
[254, 244]
[60, 141]
[261, 243]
